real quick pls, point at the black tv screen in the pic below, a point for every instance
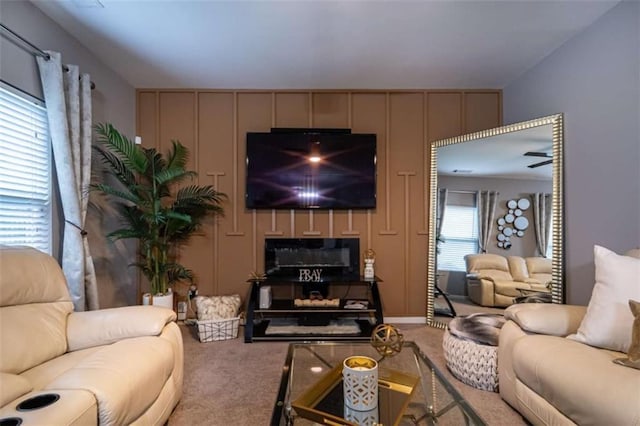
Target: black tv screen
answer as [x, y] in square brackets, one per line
[300, 170]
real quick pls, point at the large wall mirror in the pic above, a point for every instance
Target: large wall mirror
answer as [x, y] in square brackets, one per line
[496, 219]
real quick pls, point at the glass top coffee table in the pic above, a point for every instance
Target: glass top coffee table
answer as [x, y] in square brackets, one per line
[411, 390]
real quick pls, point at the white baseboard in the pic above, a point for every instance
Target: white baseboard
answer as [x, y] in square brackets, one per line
[405, 320]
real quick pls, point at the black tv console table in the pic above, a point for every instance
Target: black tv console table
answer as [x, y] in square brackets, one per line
[283, 307]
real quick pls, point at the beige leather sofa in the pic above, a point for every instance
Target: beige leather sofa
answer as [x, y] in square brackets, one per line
[113, 366]
[552, 380]
[535, 271]
[494, 280]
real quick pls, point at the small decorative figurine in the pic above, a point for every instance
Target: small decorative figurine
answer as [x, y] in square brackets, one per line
[369, 260]
[387, 340]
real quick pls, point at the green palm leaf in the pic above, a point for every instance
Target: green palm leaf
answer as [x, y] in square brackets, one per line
[149, 210]
[117, 167]
[128, 151]
[108, 189]
[173, 175]
[178, 156]
[172, 214]
[120, 234]
[198, 195]
[177, 272]
[156, 163]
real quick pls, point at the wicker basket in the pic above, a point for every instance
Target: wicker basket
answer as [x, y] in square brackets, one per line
[472, 363]
[215, 330]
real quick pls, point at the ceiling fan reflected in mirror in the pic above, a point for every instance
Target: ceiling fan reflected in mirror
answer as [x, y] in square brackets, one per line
[539, 154]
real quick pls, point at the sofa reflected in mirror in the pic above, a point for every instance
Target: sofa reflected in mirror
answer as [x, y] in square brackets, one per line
[497, 281]
[496, 219]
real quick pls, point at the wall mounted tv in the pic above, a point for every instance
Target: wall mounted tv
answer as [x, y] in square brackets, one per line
[311, 169]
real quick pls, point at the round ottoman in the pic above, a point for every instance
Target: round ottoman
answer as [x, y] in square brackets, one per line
[471, 349]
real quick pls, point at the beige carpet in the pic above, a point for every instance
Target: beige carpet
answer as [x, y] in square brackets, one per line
[464, 306]
[233, 383]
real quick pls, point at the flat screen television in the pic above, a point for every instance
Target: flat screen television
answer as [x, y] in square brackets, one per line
[310, 169]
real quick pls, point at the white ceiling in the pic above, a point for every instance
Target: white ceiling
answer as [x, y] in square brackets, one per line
[322, 44]
[499, 156]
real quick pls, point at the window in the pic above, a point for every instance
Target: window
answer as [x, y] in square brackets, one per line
[25, 171]
[549, 251]
[460, 233]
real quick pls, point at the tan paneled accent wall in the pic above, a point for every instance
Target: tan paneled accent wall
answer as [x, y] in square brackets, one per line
[213, 125]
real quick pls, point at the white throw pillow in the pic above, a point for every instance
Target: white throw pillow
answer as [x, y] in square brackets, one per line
[607, 323]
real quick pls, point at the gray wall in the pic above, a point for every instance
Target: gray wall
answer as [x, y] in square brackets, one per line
[594, 79]
[113, 101]
[509, 189]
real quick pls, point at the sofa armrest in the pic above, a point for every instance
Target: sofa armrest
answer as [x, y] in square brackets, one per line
[480, 277]
[12, 386]
[546, 318]
[106, 326]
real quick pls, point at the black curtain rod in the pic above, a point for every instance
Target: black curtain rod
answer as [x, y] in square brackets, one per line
[31, 48]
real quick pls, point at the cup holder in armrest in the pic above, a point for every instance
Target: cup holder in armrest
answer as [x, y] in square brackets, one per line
[11, 421]
[39, 401]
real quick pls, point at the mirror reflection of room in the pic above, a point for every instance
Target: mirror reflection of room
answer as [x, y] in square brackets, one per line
[494, 221]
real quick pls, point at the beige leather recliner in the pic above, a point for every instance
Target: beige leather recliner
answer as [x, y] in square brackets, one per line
[112, 367]
[489, 281]
[552, 380]
[534, 271]
[540, 269]
[493, 280]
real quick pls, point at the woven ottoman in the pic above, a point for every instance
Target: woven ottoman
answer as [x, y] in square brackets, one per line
[471, 349]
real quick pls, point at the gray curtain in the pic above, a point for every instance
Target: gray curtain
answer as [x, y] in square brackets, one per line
[487, 201]
[443, 194]
[541, 204]
[67, 95]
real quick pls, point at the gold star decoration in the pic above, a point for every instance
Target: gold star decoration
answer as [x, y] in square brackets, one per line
[387, 340]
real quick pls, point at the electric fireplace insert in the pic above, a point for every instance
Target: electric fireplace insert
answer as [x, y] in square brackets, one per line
[312, 259]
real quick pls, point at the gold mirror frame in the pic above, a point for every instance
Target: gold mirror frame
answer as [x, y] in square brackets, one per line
[556, 121]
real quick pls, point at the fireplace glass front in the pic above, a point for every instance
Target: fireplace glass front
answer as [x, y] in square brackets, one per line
[313, 259]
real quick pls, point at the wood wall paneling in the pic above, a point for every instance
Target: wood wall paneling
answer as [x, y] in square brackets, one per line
[406, 119]
[177, 120]
[147, 122]
[213, 125]
[255, 114]
[292, 109]
[215, 146]
[215, 139]
[444, 115]
[482, 110]
[367, 115]
[330, 110]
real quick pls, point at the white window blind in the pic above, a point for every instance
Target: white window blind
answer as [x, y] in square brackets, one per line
[25, 172]
[460, 233]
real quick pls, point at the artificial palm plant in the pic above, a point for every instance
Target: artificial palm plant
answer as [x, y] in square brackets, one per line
[148, 207]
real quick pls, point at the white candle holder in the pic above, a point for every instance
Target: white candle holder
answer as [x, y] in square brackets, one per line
[360, 383]
[362, 418]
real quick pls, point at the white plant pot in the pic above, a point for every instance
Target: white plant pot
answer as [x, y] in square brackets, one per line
[165, 301]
